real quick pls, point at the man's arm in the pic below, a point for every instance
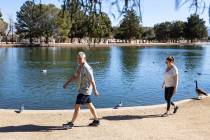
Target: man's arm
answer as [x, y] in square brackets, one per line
[73, 77]
[94, 87]
[92, 81]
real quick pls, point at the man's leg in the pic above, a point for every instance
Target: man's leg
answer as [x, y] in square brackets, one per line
[69, 125]
[96, 121]
[76, 111]
[92, 110]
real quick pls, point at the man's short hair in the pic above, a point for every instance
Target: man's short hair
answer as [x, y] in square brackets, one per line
[82, 54]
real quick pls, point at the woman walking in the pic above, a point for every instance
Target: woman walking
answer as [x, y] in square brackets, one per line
[170, 83]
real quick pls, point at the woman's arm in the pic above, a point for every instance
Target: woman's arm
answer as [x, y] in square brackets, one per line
[163, 84]
[176, 83]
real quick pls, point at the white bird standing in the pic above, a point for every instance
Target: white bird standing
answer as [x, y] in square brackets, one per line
[118, 105]
[199, 91]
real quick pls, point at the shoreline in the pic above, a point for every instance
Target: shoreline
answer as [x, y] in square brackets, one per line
[101, 109]
[190, 122]
[76, 45]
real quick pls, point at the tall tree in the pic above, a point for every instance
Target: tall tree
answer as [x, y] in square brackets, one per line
[100, 27]
[47, 20]
[86, 21]
[129, 26]
[162, 31]
[79, 26]
[195, 28]
[92, 8]
[104, 25]
[63, 25]
[3, 25]
[27, 25]
[177, 30]
[37, 20]
[148, 33]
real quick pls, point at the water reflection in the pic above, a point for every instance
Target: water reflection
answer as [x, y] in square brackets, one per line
[130, 61]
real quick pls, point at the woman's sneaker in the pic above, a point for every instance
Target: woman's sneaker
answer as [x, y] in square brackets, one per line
[95, 123]
[68, 125]
[175, 109]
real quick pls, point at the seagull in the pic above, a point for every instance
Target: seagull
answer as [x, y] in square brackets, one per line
[119, 105]
[44, 71]
[21, 109]
[200, 92]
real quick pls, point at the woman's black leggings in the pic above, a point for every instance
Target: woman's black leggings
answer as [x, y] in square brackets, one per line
[168, 95]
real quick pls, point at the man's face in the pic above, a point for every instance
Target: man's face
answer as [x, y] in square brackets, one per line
[80, 60]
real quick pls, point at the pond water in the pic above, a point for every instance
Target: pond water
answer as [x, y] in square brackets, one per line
[132, 75]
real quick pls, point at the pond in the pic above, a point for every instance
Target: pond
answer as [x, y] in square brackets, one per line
[132, 75]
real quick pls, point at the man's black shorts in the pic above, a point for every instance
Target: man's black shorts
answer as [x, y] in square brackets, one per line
[83, 99]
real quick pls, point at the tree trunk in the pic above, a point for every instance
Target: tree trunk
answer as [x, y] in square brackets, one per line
[94, 42]
[31, 40]
[46, 39]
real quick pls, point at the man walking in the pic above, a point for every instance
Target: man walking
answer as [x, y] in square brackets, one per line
[85, 85]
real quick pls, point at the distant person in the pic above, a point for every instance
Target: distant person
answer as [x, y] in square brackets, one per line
[170, 83]
[85, 83]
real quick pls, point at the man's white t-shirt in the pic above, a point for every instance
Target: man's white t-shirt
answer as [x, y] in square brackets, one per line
[169, 77]
[83, 82]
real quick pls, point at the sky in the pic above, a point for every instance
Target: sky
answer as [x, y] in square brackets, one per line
[153, 11]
